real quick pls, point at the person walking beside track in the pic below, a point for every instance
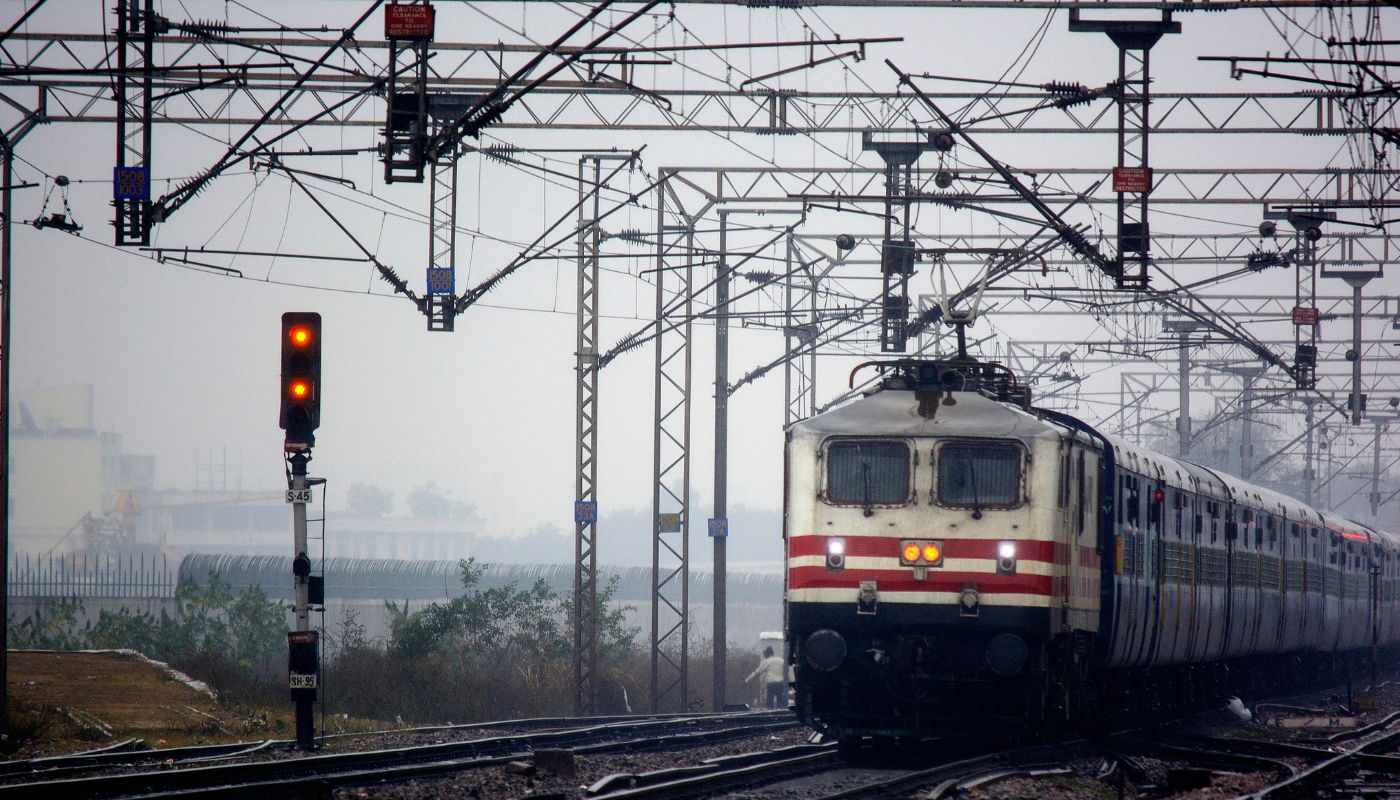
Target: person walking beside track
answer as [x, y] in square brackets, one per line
[773, 675]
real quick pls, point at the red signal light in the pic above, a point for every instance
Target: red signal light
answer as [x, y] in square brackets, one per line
[300, 336]
[300, 389]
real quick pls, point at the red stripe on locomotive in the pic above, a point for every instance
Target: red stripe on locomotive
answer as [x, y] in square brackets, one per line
[888, 547]
[902, 580]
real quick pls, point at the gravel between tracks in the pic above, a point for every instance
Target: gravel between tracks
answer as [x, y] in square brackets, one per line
[495, 783]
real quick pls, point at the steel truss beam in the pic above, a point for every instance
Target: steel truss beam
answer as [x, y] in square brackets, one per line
[229, 94]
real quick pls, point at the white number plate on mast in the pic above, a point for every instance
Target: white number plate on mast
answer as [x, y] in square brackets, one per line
[299, 496]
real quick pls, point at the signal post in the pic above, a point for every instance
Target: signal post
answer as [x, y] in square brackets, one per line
[300, 416]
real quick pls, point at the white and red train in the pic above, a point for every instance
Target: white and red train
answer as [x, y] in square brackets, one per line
[960, 561]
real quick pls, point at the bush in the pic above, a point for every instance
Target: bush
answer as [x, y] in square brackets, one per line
[236, 644]
[486, 654]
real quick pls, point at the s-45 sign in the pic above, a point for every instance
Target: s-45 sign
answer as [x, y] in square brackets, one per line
[299, 496]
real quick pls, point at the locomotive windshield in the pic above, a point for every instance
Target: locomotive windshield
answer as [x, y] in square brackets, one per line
[867, 473]
[979, 474]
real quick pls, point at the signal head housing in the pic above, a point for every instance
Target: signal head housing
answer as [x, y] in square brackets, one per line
[301, 376]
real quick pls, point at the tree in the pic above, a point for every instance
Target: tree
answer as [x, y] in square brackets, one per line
[364, 500]
[430, 502]
[505, 621]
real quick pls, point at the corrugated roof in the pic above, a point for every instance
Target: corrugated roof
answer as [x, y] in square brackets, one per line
[389, 579]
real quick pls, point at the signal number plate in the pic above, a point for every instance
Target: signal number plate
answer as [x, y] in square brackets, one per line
[299, 496]
[303, 681]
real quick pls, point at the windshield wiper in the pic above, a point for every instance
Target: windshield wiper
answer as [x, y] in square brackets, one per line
[865, 479]
[976, 502]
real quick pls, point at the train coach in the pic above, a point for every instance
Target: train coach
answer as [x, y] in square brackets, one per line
[959, 561]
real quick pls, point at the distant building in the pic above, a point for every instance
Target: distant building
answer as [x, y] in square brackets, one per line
[64, 473]
[260, 524]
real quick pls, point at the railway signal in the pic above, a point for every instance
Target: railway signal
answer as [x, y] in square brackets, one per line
[301, 377]
[299, 416]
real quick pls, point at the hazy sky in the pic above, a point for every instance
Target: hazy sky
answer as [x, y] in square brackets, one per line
[184, 359]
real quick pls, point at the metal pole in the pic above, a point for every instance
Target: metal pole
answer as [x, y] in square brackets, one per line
[1183, 381]
[1308, 457]
[301, 572]
[586, 441]
[1356, 410]
[6, 295]
[1247, 429]
[721, 512]
[1376, 470]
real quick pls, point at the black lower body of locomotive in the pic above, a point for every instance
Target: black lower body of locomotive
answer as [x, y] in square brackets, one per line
[917, 670]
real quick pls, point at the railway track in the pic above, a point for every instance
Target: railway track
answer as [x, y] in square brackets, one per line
[770, 770]
[300, 776]
[1369, 770]
[134, 752]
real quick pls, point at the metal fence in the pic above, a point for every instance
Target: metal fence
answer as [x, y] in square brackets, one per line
[78, 575]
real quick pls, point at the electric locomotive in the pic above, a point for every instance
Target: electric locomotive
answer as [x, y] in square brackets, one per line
[960, 561]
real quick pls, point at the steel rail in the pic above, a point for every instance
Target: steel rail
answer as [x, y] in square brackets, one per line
[134, 751]
[720, 774]
[1359, 754]
[289, 776]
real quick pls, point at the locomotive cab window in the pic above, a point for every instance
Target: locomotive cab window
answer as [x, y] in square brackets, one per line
[979, 474]
[867, 473]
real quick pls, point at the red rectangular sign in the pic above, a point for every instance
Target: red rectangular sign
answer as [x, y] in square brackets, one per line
[403, 21]
[1302, 315]
[1132, 179]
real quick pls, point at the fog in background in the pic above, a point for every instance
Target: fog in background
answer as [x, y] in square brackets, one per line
[184, 359]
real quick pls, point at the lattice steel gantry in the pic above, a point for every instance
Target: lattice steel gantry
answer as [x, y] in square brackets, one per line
[670, 546]
[132, 88]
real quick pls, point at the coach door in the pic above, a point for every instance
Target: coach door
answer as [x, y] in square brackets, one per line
[1083, 579]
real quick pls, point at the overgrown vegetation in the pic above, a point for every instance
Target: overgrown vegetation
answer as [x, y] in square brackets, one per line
[490, 653]
[486, 654]
[236, 643]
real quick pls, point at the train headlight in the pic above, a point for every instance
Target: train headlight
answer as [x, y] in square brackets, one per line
[1006, 557]
[836, 553]
[932, 553]
[911, 552]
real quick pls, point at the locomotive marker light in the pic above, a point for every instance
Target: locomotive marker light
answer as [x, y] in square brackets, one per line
[836, 554]
[299, 416]
[921, 553]
[1006, 557]
[920, 556]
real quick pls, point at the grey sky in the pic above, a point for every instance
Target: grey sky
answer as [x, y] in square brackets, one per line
[184, 359]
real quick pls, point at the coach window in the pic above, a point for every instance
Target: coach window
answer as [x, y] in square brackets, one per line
[867, 473]
[979, 475]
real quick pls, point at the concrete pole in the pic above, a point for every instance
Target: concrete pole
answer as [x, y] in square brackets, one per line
[721, 543]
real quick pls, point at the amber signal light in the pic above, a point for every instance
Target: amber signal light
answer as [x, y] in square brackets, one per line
[921, 553]
[300, 412]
